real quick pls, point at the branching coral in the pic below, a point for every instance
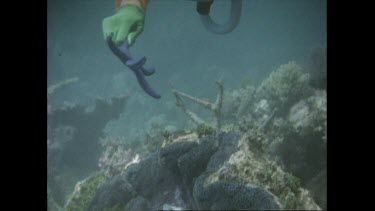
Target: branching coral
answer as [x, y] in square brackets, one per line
[214, 107]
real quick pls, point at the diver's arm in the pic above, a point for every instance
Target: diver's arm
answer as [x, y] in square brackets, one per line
[139, 3]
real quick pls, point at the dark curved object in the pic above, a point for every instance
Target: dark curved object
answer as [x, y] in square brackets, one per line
[136, 65]
[203, 7]
[212, 26]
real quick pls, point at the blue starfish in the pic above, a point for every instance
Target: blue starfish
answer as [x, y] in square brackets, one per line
[136, 65]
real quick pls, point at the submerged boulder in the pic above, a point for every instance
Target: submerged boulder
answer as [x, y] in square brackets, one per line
[214, 172]
[168, 178]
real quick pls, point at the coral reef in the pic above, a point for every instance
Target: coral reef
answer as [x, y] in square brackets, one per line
[138, 204]
[159, 124]
[304, 128]
[233, 196]
[237, 103]
[318, 188]
[74, 130]
[267, 150]
[158, 130]
[247, 97]
[250, 107]
[207, 173]
[317, 67]
[286, 119]
[181, 135]
[284, 87]
[116, 157]
[309, 116]
[87, 124]
[84, 192]
[256, 169]
[153, 143]
[204, 130]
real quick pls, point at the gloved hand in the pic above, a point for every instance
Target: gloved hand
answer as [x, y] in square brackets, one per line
[127, 22]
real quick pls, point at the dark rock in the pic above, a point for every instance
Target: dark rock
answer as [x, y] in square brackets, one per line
[117, 191]
[228, 145]
[138, 204]
[230, 195]
[169, 155]
[194, 162]
[149, 178]
[318, 188]
[174, 176]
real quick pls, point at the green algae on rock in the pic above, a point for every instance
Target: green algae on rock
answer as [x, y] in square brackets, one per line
[84, 192]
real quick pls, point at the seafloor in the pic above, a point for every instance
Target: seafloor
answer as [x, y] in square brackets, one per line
[265, 149]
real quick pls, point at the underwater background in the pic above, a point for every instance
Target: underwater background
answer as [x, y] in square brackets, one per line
[272, 138]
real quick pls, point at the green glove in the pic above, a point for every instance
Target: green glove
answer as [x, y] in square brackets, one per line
[127, 22]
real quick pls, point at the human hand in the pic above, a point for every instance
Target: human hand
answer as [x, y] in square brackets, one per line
[126, 23]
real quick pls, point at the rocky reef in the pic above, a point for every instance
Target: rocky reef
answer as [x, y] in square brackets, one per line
[174, 176]
[287, 118]
[268, 154]
[213, 172]
[84, 192]
[73, 147]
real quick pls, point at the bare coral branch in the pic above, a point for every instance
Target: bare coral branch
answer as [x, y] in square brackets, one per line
[179, 103]
[201, 102]
[214, 107]
[218, 104]
[52, 89]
